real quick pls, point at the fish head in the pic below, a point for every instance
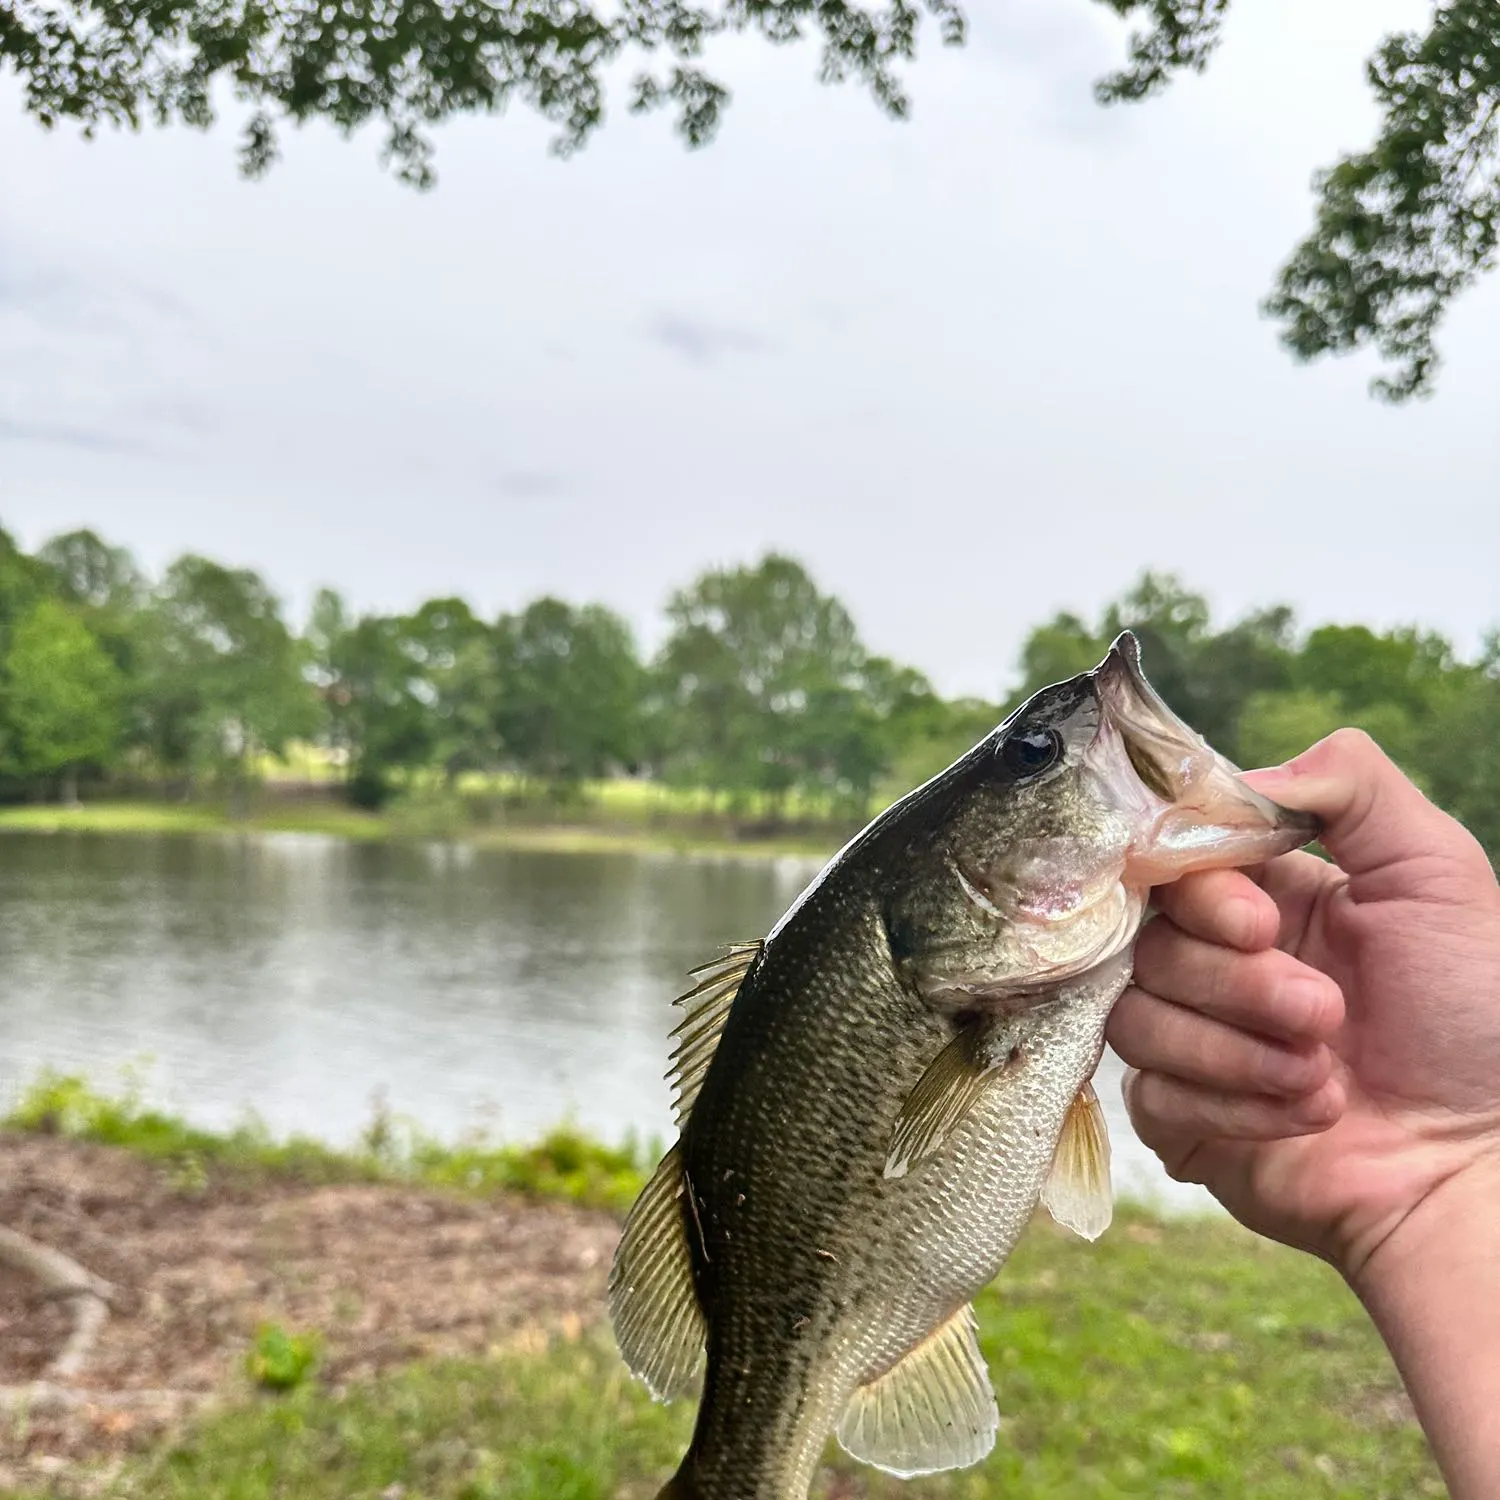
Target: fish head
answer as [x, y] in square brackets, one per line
[1033, 862]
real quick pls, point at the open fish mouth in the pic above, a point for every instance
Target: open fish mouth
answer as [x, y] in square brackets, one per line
[1205, 816]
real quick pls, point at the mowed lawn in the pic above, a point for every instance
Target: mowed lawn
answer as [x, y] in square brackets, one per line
[1172, 1358]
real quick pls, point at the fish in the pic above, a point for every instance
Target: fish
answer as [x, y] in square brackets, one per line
[872, 1101]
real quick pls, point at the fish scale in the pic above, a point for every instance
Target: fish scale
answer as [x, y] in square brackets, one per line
[873, 1102]
[909, 1250]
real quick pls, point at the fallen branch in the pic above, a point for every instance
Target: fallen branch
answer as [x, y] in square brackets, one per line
[62, 1276]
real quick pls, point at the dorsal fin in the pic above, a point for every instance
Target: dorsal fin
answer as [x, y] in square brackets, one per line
[707, 1005]
[653, 1304]
[932, 1410]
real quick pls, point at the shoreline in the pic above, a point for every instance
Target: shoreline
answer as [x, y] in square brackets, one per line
[331, 820]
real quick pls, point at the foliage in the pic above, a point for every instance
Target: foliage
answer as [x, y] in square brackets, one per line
[1402, 228]
[62, 693]
[1260, 695]
[763, 712]
[414, 65]
[563, 1164]
[281, 1361]
[764, 686]
[221, 669]
[569, 691]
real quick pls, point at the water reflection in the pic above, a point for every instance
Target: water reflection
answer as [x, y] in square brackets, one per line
[297, 975]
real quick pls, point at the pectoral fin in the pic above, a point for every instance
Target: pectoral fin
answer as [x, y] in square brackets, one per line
[932, 1410]
[652, 1301]
[952, 1085]
[1077, 1192]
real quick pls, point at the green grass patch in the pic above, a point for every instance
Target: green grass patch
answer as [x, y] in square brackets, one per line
[1171, 1359]
[609, 825]
[564, 1164]
[112, 817]
[279, 1360]
[1177, 1357]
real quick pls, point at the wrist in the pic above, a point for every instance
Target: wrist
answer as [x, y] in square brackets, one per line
[1432, 1288]
[1457, 1221]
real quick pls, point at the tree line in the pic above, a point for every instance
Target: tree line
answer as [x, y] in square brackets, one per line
[762, 691]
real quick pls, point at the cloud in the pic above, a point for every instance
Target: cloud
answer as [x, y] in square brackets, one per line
[62, 435]
[701, 341]
[534, 484]
[82, 292]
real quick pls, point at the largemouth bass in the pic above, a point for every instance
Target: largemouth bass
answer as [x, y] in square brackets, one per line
[872, 1101]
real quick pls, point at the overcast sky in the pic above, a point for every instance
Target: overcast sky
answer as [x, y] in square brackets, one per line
[972, 368]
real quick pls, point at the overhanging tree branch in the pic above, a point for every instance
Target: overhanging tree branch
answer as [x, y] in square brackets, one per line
[1402, 228]
[411, 64]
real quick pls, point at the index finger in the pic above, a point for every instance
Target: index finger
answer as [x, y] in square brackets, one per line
[1221, 906]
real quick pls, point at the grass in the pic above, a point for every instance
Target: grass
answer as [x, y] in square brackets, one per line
[193, 817]
[1169, 1360]
[564, 1164]
[608, 823]
[1174, 1358]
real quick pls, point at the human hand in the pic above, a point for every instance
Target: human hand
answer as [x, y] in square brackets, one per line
[1319, 1044]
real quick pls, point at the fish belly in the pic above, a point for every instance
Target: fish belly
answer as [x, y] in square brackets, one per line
[946, 1229]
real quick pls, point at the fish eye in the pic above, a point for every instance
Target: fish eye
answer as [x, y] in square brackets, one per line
[1028, 752]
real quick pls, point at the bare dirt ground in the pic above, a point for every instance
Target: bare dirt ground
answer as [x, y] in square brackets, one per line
[386, 1274]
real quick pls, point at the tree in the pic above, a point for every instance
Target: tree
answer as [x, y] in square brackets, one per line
[1365, 669]
[455, 656]
[108, 591]
[62, 694]
[1400, 229]
[1207, 675]
[570, 686]
[1458, 744]
[754, 655]
[23, 581]
[377, 709]
[223, 674]
[416, 64]
[92, 574]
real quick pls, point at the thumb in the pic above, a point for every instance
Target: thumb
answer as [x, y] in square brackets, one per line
[1373, 815]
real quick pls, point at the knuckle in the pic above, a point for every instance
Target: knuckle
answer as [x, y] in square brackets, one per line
[1354, 743]
[1312, 1004]
[1281, 1070]
[1318, 1110]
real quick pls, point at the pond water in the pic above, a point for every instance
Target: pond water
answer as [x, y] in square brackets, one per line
[303, 977]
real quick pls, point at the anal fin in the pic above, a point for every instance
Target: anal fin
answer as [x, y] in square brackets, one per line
[1077, 1192]
[653, 1303]
[932, 1410]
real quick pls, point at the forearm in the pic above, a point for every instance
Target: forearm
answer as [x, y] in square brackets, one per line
[1433, 1290]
